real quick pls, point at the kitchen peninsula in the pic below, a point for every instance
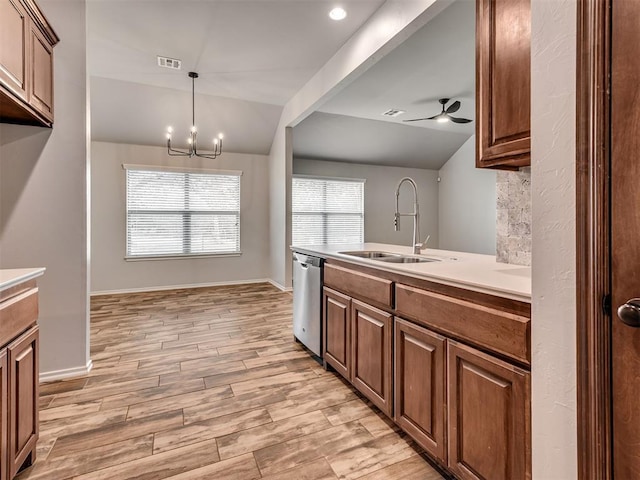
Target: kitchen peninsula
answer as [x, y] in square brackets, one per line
[441, 343]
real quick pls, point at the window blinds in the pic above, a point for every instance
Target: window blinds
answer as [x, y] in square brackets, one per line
[327, 211]
[182, 213]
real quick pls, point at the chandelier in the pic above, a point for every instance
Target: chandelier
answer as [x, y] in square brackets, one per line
[193, 135]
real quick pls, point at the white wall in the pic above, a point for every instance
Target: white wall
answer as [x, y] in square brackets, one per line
[110, 272]
[388, 27]
[467, 203]
[553, 362]
[379, 198]
[43, 200]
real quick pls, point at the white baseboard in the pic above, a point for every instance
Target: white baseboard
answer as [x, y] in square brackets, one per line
[66, 373]
[177, 287]
[280, 287]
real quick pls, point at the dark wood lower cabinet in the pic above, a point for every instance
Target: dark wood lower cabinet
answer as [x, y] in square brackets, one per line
[371, 355]
[4, 420]
[337, 328]
[23, 392]
[420, 388]
[468, 410]
[489, 417]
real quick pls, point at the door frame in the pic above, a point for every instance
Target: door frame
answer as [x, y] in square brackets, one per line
[593, 234]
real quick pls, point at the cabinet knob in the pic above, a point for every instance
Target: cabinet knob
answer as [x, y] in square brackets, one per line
[629, 312]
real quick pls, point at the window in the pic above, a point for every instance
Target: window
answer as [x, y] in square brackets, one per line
[327, 211]
[182, 212]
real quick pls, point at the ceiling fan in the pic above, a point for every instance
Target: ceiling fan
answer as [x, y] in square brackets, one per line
[445, 115]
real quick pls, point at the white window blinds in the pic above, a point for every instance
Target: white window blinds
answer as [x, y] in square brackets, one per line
[327, 211]
[182, 213]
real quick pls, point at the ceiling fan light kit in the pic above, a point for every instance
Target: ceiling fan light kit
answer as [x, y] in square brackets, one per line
[193, 134]
[445, 115]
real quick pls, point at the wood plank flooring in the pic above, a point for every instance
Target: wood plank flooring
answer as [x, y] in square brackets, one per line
[208, 384]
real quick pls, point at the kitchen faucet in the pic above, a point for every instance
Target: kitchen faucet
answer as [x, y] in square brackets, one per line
[416, 244]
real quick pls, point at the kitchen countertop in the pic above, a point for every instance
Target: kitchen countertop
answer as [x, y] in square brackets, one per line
[14, 276]
[472, 271]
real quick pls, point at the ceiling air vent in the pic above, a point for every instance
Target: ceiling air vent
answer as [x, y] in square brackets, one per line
[393, 113]
[167, 62]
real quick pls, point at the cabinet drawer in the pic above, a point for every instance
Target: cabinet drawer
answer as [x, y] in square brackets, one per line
[17, 314]
[360, 285]
[500, 332]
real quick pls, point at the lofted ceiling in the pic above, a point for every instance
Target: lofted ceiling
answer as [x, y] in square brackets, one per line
[437, 61]
[252, 57]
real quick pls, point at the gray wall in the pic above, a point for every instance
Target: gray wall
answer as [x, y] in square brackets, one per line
[43, 200]
[379, 198]
[110, 272]
[467, 204]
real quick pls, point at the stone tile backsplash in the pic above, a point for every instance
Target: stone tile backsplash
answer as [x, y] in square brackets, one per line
[513, 217]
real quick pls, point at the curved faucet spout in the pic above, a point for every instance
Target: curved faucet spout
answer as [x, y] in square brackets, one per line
[415, 214]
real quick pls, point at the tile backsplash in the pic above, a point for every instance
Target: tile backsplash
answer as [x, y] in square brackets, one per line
[513, 217]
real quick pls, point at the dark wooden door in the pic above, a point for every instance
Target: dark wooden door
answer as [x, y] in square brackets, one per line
[489, 419]
[420, 389]
[625, 233]
[337, 327]
[4, 409]
[371, 335]
[23, 400]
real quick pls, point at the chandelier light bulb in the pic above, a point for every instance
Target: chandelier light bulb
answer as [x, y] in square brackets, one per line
[168, 136]
[193, 129]
[189, 140]
[215, 141]
[169, 130]
[220, 136]
[443, 120]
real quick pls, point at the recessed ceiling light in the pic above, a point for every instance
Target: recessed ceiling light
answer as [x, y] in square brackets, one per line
[338, 13]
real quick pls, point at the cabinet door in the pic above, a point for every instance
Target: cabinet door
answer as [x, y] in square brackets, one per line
[41, 90]
[371, 333]
[23, 399]
[14, 37]
[337, 327]
[4, 408]
[503, 83]
[489, 416]
[420, 403]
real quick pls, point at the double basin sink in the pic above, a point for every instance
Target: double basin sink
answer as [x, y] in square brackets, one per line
[389, 257]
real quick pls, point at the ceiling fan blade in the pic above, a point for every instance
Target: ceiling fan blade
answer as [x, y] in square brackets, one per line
[459, 120]
[418, 119]
[454, 107]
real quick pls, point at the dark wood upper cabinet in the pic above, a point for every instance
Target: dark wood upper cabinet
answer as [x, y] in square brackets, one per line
[503, 83]
[26, 64]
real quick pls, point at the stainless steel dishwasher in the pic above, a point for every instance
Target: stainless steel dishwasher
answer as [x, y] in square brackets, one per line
[307, 301]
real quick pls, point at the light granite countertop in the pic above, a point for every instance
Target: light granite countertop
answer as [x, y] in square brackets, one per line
[472, 271]
[15, 276]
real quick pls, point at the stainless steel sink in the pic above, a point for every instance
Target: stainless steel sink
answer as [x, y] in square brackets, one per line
[373, 254]
[389, 257]
[406, 259]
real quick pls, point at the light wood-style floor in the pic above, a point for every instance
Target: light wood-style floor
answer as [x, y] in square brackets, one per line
[208, 384]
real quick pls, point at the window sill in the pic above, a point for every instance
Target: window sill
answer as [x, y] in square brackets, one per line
[144, 258]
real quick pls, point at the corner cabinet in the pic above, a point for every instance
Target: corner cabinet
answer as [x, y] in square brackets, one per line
[26, 64]
[503, 83]
[448, 365]
[19, 382]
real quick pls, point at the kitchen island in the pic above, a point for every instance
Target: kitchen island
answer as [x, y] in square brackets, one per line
[441, 343]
